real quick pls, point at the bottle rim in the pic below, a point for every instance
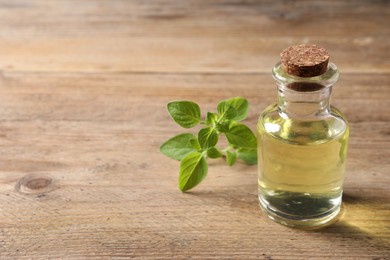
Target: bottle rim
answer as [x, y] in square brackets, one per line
[326, 79]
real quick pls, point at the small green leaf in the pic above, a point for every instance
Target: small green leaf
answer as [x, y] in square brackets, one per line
[223, 127]
[195, 144]
[207, 137]
[211, 118]
[213, 153]
[193, 169]
[226, 110]
[231, 157]
[240, 135]
[178, 146]
[249, 156]
[185, 113]
[240, 106]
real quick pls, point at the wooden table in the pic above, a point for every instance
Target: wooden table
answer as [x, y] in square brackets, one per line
[83, 91]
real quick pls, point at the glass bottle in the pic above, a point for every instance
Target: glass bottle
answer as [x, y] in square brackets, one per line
[302, 146]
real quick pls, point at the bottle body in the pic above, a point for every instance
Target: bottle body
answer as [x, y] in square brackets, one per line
[302, 146]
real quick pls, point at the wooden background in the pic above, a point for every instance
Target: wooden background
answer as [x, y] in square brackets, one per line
[83, 90]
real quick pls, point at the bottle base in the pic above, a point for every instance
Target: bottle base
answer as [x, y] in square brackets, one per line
[306, 223]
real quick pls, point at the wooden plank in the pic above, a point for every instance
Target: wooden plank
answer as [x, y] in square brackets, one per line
[72, 150]
[189, 55]
[191, 36]
[194, 18]
[122, 97]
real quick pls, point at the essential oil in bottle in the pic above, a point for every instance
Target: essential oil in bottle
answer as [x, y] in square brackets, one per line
[302, 142]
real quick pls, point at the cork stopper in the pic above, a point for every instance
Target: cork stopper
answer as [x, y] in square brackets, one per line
[305, 60]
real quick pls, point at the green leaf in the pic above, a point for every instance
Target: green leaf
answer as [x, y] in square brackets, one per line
[211, 118]
[249, 156]
[178, 147]
[224, 126]
[207, 137]
[213, 153]
[226, 110]
[240, 135]
[185, 113]
[240, 106]
[195, 144]
[231, 157]
[193, 169]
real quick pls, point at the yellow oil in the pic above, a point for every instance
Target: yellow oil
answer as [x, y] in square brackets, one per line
[301, 167]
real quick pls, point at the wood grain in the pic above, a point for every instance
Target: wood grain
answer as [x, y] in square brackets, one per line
[83, 90]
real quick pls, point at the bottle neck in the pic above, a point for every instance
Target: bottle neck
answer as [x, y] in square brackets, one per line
[302, 97]
[302, 104]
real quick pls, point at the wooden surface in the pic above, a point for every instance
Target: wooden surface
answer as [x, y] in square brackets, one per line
[83, 89]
